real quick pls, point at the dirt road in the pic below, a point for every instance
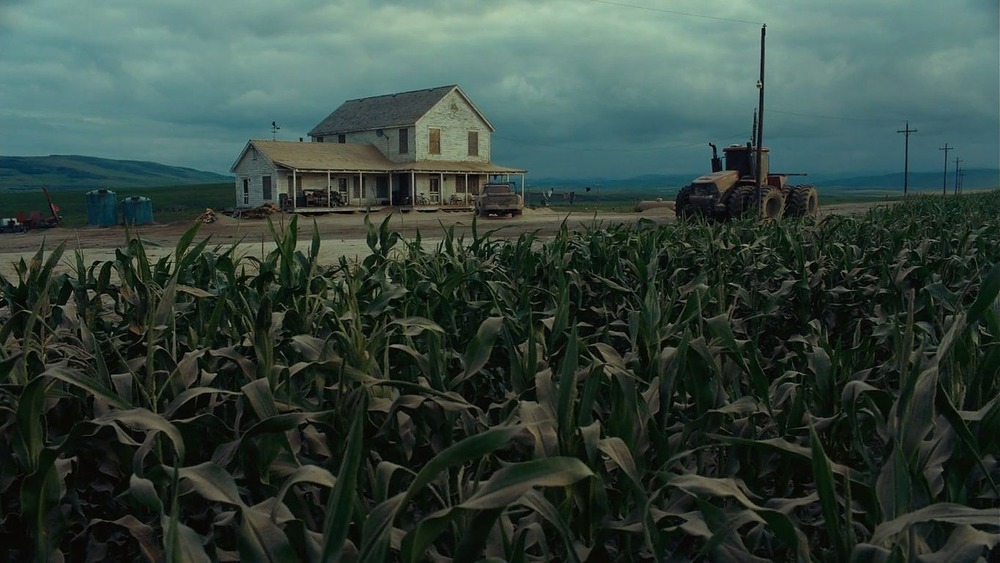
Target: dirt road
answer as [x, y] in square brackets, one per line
[342, 234]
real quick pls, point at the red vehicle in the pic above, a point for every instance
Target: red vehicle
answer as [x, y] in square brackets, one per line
[26, 221]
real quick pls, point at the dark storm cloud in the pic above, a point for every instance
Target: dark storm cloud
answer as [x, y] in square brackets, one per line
[574, 87]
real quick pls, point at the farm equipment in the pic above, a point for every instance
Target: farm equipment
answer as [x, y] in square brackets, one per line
[499, 198]
[745, 185]
[11, 225]
[732, 192]
[34, 220]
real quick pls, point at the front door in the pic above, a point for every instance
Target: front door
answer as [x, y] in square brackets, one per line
[435, 190]
[401, 193]
[382, 187]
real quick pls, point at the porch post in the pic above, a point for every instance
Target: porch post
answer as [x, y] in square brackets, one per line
[413, 188]
[329, 203]
[390, 190]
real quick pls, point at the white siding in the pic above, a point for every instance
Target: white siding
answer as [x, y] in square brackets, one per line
[254, 170]
[455, 117]
[387, 143]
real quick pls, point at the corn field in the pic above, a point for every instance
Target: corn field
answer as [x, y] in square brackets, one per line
[791, 391]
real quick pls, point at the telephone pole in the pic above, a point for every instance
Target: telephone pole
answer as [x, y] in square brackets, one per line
[906, 156]
[944, 180]
[961, 181]
[957, 161]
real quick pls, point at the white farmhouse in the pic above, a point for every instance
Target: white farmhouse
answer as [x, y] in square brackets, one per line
[425, 147]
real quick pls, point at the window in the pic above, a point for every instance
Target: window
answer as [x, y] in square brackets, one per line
[473, 143]
[265, 182]
[341, 138]
[404, 141]
[435, 141]
[254, 153]
[246, 191]
[319, 139]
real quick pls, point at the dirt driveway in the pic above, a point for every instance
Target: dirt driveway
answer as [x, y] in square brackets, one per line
[342, 234]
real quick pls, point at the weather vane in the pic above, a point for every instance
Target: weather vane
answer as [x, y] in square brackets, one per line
[274, 130]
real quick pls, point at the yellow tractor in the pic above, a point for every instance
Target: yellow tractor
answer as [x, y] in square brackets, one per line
[730, 192]
[745, 186]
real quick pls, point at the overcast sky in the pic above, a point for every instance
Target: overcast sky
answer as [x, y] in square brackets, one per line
[575, 88]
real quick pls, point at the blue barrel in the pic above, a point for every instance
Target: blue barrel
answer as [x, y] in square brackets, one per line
[102, 208]
[137, 210]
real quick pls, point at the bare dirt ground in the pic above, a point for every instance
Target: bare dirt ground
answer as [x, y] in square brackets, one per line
[342, 234]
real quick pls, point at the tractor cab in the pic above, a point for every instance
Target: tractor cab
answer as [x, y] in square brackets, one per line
[742, 159]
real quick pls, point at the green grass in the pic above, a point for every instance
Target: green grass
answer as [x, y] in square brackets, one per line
[170, 203]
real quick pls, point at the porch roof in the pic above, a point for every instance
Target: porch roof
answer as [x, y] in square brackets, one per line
[348, 157]
[333, 157]
[456, 167]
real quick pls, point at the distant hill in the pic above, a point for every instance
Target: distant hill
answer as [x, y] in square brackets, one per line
[974, 179]
[62, 172]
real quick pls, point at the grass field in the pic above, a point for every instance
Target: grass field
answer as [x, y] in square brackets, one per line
[170, 203]
[787, 391]
[183, 203]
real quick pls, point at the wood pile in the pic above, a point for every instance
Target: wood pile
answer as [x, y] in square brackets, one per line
[207, 217]
[258, 212]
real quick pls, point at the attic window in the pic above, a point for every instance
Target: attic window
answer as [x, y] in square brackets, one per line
[435, 141]
[253, 151]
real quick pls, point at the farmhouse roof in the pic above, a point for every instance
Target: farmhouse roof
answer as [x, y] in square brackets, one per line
[352, 157]
[388, 111]
[319, 156]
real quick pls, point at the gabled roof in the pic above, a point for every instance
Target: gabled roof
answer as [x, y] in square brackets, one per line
[349, 157]
[387, 112]
[319, 156]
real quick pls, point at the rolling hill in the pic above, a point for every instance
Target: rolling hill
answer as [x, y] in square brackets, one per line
[974, 179]
[67, 172]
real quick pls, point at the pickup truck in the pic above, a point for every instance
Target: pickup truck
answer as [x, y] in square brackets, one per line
[499, 199]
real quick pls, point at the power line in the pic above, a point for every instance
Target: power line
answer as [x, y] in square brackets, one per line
[605, 148]
[675, 12]
[837, 117]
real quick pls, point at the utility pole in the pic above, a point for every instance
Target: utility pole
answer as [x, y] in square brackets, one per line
[961, 181]
[957, 161]
[944, 180]
[906, 156]
[759, 180]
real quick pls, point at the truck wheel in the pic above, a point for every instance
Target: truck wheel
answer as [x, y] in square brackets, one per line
[804, 201]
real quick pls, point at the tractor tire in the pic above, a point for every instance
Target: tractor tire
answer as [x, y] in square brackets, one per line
[772, 205]
[682, 204]
[741, 202]
[803, 201]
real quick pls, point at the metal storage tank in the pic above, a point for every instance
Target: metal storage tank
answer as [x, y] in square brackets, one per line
[137, 210]
[102, 208]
